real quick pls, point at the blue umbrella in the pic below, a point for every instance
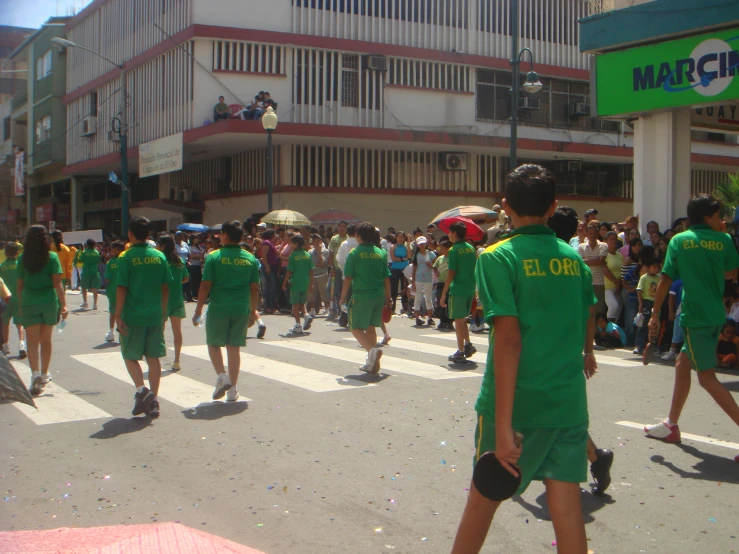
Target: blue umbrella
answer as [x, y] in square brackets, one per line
[192, 227]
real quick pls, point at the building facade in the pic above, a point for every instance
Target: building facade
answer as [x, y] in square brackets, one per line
[390, 109]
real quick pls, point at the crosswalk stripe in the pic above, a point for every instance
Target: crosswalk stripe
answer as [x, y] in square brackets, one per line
[297, 376]
[420, 347]
[358, 357]
[56, 404]
[177, 389]
[604, 357]
[697, 438]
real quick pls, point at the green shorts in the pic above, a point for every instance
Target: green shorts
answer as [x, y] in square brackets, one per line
[143, 342]
[459, 306]
[558, 454]
[298, 296]
[177, 311]
[700, 346]
[11, 310]
[90, 281]
[44, 314]
[226, 331]
[111, 302]
[365, 312]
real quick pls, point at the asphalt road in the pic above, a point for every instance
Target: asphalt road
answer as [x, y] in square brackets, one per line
[323, 459]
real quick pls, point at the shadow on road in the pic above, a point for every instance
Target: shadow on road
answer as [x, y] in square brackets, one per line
[362, 379]
[210, 411]
[106, 345]
[733, 386]
[709, 468]
[121, 426]
[461, 367]
[590, 504]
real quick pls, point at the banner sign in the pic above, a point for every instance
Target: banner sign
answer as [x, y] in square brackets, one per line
[160, 156]
[20, 188]
[685, 72]
[722, 117]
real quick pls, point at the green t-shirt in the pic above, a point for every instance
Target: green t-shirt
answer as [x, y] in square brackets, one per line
[442, 266]
[231, 271]
[700, 257]
[648, 286]
[142, 269]
[300, 265]
[90, 258]
[176, 298]
[9, 274]
[38, 288]
[462, 259]
[367, 266]
[543, 282]
[111, 275]
[333, 246]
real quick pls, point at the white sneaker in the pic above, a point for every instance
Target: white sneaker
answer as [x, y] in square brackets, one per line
[312, 313]
[84, 305]
[46, 378]
[373, 360]
[22, 354]
[37, 383]
[474, 328]
[110, 336]
[6, 349]
[296, 329]
[94, 306]
[232, 395]
[670, 356]
[223, 384]
[307, 321]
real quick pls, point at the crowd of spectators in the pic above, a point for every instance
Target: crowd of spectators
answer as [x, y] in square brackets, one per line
[253, 111]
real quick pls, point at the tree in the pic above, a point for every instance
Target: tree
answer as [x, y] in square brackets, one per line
[728, 193]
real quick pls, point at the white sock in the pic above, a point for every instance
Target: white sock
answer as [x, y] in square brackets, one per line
[260, 323]
[669, 422]
[140, 389]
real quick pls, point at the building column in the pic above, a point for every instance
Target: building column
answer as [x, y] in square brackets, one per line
[76, 201]
[662, 167]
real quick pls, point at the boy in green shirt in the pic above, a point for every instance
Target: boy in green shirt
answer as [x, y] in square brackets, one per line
[141, 301]
[367, 274]
[300, 276]
[702, 257]
[231, 279]
[534, 382]
[111, 289]
[441, 268]
[8, 272]
[460, 286]
[645, 292]
[90, 258]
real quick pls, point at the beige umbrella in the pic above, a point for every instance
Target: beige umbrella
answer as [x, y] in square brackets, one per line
[286, 217]
[478, 214]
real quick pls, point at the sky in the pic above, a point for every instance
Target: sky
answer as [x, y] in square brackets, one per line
[32, 13]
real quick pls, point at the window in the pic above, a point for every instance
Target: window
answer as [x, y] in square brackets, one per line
[6, 128]
[247, 57]
[350, 81]
[43, 129]
[43, 66]
[93, 104]
[423, 74]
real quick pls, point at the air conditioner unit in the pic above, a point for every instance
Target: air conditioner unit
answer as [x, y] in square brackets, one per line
[377, 63]
[89, 126]
[529, 103]
[571, 166]
[454, 161]
[579, 109]
[113, 136]
[186, 195]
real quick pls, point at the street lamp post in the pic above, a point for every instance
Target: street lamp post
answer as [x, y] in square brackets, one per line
[532, 84]
[120, 127]
[269, 122]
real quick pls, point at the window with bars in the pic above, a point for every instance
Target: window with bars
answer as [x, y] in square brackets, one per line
[557, 103]
[453, 13]
[350, 81]
[433, 75]
[247, 57]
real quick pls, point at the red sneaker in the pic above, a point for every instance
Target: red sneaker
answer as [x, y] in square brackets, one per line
[663, 431]
[736, 458]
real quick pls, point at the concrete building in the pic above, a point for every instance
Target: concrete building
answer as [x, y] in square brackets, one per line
[390, 109]
[41, 113]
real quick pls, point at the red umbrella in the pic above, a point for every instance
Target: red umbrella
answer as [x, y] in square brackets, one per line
[474, 232]
[164, 538]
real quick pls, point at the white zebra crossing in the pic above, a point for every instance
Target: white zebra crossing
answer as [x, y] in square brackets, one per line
[295, 375]
[177, 389]
[420, 347]
[604, 357]
[358, 357]
[55, 404]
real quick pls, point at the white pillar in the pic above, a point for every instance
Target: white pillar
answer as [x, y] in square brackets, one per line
[661, 167]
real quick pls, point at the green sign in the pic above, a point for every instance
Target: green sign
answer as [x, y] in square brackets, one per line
[684, 72]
